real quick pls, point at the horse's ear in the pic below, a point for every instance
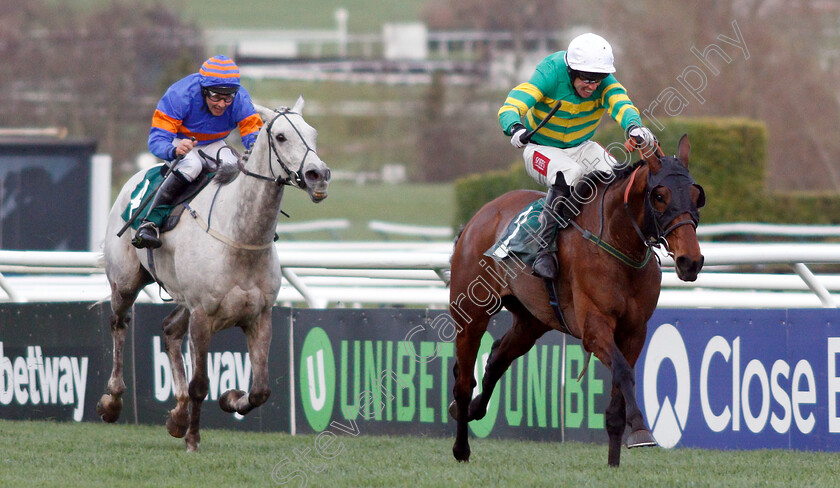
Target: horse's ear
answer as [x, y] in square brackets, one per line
[683, 149]
[264, 112]
[298, 105]
[651, 159]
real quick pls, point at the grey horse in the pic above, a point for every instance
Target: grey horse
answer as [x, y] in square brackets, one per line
[222, 274]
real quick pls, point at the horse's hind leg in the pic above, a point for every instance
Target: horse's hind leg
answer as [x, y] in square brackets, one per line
[110, 404]
[174, 328]
[517, 341]
[259, 340]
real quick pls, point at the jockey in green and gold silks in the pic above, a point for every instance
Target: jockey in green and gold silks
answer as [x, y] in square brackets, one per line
[577, 118]
[579, 79]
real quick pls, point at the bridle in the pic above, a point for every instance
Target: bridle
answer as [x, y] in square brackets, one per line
[655, 222]
[291, 177]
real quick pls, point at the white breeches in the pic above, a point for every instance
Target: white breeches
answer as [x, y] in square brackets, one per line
[543, 162]
[192, 164]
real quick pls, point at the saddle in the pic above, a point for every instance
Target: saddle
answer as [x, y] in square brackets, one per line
[165, 217]
[520, 236]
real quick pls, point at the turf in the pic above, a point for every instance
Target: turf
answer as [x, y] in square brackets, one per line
[43, 453]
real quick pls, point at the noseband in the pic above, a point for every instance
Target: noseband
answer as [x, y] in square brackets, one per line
[291, 177]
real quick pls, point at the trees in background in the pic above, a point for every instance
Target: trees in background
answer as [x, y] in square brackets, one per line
[784, 76]
[99, 74]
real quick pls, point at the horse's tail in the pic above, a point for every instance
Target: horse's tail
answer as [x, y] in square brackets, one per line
[455, 241]
[447, 274]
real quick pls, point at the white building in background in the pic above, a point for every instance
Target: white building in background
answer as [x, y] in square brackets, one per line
[401, 53]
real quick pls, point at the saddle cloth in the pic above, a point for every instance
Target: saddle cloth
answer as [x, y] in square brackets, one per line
[520, 236]
[162, 216]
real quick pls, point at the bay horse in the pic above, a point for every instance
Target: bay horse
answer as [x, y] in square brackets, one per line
[221, 273]
[606, 292]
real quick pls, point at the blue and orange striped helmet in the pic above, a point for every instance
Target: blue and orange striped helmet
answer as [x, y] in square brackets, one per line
[220, 74]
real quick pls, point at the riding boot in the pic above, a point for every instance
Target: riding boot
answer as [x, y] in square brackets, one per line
[545, 264]
[148, 234]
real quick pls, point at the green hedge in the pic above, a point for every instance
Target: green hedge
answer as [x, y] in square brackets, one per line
[728, 157]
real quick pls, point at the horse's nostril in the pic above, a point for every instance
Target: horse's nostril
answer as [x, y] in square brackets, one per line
[313, 175]
[685, 263]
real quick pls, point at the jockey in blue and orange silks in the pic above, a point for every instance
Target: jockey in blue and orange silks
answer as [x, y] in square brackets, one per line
[197, 112]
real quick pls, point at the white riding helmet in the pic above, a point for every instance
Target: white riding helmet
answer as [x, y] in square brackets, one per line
[591, 53]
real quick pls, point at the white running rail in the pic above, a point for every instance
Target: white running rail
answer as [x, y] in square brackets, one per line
[355, 274]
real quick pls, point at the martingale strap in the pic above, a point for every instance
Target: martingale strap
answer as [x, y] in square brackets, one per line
[221, 237]
[612, 251]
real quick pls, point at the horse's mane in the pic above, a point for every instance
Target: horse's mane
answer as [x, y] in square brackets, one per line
[598, 177]
[227, 172]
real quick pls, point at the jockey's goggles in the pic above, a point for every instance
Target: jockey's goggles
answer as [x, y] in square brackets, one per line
[218, 97]
[591, 78]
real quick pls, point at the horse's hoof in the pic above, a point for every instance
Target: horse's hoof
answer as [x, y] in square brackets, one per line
[192, 442]
[640, 438]
[108, 408]
[229, 399]
[462, 454]
[453, 410]
[177, 423]
[476, 411]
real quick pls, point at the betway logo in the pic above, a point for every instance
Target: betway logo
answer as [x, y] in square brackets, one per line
[225, 370]
[37, 380]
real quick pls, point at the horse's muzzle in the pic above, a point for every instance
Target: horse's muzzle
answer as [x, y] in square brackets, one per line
[317, 182]
[687, 268]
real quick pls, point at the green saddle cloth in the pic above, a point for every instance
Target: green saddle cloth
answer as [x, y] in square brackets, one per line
[520, 236]
[150, 183]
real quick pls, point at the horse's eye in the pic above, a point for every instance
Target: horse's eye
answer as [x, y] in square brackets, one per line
[659, 197]
[280, 137]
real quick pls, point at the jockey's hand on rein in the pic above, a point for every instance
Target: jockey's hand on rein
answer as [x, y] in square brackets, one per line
[517, 131]
[642, 135]
[185, 146]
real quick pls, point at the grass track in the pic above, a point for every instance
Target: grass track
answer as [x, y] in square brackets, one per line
[70, 455]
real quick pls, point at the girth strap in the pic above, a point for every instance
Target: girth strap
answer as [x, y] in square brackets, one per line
[551, 288]
[151, 255]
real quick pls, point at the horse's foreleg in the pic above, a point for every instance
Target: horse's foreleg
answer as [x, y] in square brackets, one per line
[259, 340]
[199, 385]
[110, 404]
[516, 342]
[623, 379]
[616, 422]
[174, 328]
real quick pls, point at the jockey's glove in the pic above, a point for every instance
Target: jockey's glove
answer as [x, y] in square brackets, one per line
[517, 133]
[642, 135]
